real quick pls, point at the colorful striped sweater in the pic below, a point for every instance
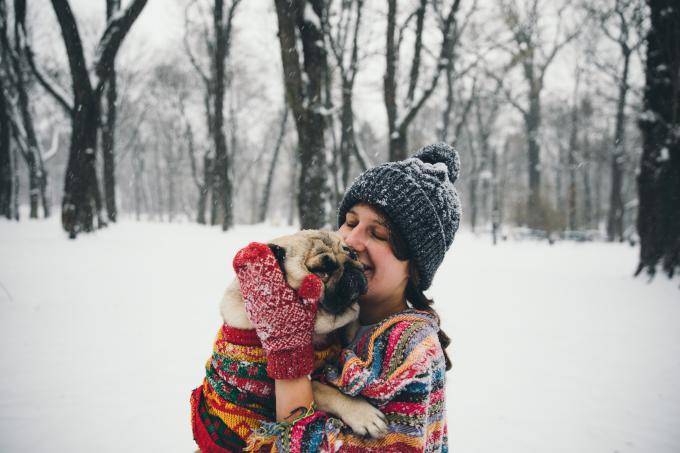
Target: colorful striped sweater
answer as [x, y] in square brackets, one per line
[399, 367]
[237, 396]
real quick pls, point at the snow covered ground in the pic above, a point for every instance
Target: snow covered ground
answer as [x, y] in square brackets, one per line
[555, 348]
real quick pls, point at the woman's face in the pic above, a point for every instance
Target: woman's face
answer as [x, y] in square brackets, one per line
[366, 232]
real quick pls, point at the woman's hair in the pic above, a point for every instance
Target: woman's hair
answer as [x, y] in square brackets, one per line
[414, 295]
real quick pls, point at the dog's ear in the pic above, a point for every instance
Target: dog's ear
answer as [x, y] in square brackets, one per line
[280, 254]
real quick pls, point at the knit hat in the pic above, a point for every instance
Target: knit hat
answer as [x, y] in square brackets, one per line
[418, 197]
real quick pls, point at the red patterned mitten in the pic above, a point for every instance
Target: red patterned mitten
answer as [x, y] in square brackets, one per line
[283, 319]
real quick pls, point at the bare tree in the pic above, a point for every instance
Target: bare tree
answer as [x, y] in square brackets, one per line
[221, 167]
[528, 48]
[484, 105]
[343, 38]
[621, 23]
[23, 130]
[454, 75]
[300, 22]
[82, 199]
[572, 152]
[398, 122]
[218, 45]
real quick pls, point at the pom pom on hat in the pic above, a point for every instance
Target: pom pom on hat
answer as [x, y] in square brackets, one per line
[441, 152]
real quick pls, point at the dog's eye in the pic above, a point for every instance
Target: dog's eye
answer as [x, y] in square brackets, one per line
[352, 254]
[326, 267]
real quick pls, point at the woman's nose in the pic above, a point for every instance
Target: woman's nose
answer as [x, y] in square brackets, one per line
[355, 239]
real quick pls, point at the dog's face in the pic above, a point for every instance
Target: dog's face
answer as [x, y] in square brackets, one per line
[324, 254]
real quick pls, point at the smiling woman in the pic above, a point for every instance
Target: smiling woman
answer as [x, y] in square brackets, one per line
[400, 218]
[366, 230]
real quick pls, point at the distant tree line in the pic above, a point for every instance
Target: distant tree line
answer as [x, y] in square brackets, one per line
[204, 136]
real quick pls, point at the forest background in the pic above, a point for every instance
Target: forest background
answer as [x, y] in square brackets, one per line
[180, 111]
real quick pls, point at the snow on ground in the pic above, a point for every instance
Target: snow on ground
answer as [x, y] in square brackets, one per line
[555, 348]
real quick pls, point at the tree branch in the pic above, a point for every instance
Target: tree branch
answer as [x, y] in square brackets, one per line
[74, 49]
[57, 94]
[286, 15]
[417, 48]
[113, 36]
[441, 64]
[187, 46]
[508, 94]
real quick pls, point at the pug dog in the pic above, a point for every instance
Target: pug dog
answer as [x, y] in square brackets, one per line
[324, 254]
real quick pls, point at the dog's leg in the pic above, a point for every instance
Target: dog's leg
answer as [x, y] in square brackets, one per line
[355, 412]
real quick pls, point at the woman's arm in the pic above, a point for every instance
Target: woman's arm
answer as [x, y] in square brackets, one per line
[291, 395]
[407, 353]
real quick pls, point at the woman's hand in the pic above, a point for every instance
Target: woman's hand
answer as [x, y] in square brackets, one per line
[283, 318]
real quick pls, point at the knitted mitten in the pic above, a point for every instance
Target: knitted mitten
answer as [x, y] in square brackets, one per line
[283, 319]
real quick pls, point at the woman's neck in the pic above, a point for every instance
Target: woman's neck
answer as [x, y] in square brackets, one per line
[371, 313]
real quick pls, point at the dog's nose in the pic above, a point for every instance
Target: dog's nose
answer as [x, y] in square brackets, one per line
[352, 253]
[351, 285]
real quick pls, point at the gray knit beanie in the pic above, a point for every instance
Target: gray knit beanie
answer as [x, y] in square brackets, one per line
[419, 199]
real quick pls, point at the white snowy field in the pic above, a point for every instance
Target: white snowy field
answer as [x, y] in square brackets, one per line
[556, 349]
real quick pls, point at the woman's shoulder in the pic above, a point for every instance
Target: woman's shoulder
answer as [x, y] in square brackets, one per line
[403, 333]
[410, 321]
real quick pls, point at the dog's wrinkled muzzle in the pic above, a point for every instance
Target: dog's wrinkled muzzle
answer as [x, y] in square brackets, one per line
[352, 284]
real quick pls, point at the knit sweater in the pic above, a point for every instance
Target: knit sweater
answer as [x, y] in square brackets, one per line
[237, 396]
[399, 367]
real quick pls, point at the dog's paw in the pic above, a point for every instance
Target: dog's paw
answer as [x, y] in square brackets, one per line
[366, 420]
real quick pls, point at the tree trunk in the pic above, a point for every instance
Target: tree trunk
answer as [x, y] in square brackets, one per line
[473, 182]
[222, 179]
[587, 185]
[616, 209]
[137, 172]
[264, 204]
[599, 191]
[6, 167]
[16, 74]
[109, 130]
[571, 165]
[81, 191]
[390, 80]
[448, 103]
[658, 221]
[533, 125]
[348, 146]
[292, 186]
[108, 146]
[36, 173]
[495, 203]
[305, 102]
[205, 188]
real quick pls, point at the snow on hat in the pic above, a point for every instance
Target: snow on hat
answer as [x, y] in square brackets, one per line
[418, 197]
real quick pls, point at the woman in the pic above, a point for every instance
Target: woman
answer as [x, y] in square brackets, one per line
[401, 218]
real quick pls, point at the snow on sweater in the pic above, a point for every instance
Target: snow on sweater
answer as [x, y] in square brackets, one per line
[399, 367]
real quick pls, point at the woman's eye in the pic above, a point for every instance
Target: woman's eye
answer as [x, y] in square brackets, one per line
[379, 236]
